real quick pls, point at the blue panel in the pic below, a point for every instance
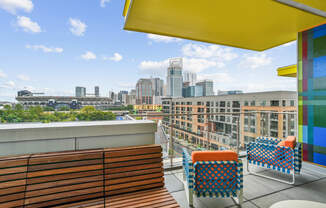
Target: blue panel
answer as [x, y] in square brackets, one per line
[319, 159]
[319, 31]
[313, 93]
[305, 134]
[320, 136]
[320, 66]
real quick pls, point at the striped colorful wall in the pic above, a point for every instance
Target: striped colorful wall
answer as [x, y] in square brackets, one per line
[312, 93]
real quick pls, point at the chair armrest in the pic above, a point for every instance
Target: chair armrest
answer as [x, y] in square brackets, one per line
[188, 167]
[268, 140]
[298, 158]
[240, 175]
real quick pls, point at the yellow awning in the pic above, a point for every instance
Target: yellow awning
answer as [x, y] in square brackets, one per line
[250, 24]
[287, 71]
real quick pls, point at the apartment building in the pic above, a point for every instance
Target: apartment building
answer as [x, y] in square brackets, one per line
[245, 115]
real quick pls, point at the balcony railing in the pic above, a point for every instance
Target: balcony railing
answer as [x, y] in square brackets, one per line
[216, 135]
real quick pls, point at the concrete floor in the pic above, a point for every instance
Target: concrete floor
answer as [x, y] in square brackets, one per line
[259, 192]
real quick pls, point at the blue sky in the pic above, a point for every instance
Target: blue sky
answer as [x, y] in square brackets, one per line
[52, 46]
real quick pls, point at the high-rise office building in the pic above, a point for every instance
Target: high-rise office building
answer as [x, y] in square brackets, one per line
[157, 85]
[208, 87]
[190, 77]
[80, 92]
[122, 92]
[144, 92]
[199, 91]
[174, 78]
[97, 91]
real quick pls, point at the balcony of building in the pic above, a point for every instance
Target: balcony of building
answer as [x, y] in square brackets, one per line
[17, 139]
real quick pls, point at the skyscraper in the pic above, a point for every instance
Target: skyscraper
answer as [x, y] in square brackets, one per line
[190, 77]
[97, 91]
[144, 92]
[80, 92]
[174, 78]
[157, 85]
[208, 87]
[120, 94]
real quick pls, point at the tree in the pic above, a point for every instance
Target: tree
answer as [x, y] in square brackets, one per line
[48, 108]
[64, 108]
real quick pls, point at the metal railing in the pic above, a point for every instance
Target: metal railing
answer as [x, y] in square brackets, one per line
[248, 125]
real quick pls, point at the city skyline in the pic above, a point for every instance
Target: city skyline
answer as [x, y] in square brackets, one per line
[86, 46]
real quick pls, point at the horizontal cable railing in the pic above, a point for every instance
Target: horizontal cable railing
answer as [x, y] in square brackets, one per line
[204, 131]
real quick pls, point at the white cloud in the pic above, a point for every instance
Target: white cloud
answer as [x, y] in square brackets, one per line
[104, 2]
[217, 77]
[10, 84]
[45, 49]
[77, 27]
[195, 65]
[164, 39]
[12, 6]
[211, 52]
[2, 74]
[256, 61]
[116, 57]
[88, 56]
[157, 68]
[24, 77]
[198, 65]
[28, 25]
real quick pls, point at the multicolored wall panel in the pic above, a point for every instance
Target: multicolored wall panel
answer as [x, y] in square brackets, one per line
[312, 93]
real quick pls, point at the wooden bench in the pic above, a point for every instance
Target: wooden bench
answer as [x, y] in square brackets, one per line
[134, 178]
[13, 171]
[115, 177]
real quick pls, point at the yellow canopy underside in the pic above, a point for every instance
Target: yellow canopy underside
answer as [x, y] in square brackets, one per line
[287, 71]
[250, 24]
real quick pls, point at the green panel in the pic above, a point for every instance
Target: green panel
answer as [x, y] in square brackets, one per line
[300, 47]
[300, 108]
[319, 115]
[320, 149]
[300, 85]
[299, 70]
[320, 46]
[319, 83]
[300, 133]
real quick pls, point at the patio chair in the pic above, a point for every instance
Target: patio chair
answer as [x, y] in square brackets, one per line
[213, 174]
[272, 153]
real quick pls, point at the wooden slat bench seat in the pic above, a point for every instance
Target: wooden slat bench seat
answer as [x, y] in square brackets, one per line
[115, 177]
[13, 172]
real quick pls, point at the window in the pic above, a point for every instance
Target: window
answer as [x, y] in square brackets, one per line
[283, 103]
[253, 103]
[246, 121]
[275, 103]
[216, 104]
[222, 104]
[246, 103]
[291, 102]
[263, 103]
[236, 104]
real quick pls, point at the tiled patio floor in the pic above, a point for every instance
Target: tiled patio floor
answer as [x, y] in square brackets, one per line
[259, 192]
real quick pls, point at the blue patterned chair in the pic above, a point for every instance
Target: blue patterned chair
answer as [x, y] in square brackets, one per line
[267, 152]
[213, 179]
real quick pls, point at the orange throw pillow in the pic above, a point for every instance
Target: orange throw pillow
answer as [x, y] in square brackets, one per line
[289, 142]
[226, 155]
